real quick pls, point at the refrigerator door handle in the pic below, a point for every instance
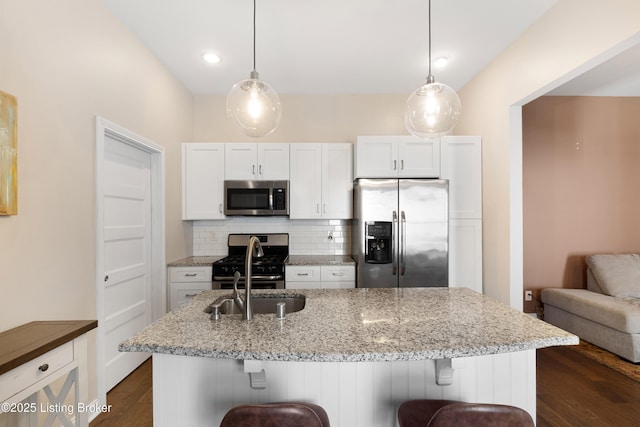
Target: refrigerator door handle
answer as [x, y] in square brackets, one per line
[394, 246]
[403, 242]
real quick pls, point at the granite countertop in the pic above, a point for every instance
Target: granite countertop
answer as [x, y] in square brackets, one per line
[350, 325]
[320, 260]
[195, 261]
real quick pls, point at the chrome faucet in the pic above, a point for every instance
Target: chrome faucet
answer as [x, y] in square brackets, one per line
[253, 249]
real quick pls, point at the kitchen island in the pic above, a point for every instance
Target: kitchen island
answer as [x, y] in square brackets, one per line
[356, 352]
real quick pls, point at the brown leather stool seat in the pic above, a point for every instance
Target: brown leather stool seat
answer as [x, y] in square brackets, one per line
[447, 413]
[286, 414]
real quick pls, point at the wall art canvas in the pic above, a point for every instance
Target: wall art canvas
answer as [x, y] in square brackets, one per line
[8, 154]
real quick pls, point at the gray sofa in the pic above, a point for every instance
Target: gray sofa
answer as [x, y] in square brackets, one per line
[607, 313]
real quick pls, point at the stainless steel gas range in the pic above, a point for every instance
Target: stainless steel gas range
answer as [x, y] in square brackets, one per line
[267, 272]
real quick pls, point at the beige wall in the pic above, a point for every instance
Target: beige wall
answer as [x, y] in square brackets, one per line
[581, 175]
[67, 61]
[309, 118]
[570, 35]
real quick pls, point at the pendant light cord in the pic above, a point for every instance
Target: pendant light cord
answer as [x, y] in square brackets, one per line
[254, 36]
[430, 76]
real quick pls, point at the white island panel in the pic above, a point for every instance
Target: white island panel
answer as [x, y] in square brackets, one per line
[198, 391]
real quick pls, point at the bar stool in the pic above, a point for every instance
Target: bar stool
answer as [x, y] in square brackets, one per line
[448, 413]
[285, 414]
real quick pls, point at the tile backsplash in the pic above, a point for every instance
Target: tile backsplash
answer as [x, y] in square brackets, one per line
[306, 237]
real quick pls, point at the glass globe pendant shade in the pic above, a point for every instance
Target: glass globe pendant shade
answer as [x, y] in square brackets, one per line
[432, 110]
[254, 106]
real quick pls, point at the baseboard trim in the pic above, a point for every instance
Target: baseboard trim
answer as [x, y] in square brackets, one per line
[97, 409]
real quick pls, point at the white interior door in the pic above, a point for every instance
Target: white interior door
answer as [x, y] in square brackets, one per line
[127, 253]
[130, 247]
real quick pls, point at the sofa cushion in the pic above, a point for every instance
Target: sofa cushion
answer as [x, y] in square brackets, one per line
[617, 313]
[617, 275]
[592, 283]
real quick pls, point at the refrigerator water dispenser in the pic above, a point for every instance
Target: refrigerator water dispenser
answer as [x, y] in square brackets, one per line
[378, 242]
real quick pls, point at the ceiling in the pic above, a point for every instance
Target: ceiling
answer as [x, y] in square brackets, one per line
[326, 46]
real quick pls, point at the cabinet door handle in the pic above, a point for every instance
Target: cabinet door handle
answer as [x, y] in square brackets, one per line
[395, 164]
[220, 207]
[190, 274]
[317, 207]
[402, 164]
[260, 170]
[253, 169]
[324, 208]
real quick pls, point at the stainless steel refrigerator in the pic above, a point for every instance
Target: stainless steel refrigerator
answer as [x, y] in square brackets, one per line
[401, 232]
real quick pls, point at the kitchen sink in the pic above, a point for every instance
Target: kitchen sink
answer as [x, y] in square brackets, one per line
[261, 303]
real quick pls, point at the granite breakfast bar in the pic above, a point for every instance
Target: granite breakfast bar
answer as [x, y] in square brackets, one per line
[356, 352]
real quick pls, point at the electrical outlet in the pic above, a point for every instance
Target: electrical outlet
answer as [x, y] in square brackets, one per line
[528, 295]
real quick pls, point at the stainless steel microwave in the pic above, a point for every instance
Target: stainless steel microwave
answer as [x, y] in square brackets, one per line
[256, 198]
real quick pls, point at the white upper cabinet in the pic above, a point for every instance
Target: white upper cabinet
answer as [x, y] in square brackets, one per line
[202, 180]
[321, 181]
[392, 156]
[462, 166]
[262, 161]
[305, 185]
[337, 181]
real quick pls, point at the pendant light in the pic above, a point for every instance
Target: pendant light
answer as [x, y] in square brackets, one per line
[434, 108]
[252, 104]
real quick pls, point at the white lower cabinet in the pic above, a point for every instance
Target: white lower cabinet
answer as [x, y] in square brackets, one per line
[187, 282]
[302, 277]
[320, 276]
[338, 276]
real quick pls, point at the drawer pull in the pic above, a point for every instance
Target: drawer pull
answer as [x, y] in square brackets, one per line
[190, 274]
[303, 274]
[340, 274]
[43, 368]
[190, 295]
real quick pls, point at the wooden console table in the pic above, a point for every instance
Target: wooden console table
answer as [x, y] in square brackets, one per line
[37, 354]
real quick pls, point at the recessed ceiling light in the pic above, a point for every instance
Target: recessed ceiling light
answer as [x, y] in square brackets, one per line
[210, 58]
[441, 61]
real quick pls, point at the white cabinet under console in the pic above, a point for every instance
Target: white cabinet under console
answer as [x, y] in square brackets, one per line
[251, 161]
[43, 374]
[187, 282]
[392, 156]
[320, 276]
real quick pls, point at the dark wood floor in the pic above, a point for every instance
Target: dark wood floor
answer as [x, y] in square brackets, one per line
[131, 401]
[573, 390]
